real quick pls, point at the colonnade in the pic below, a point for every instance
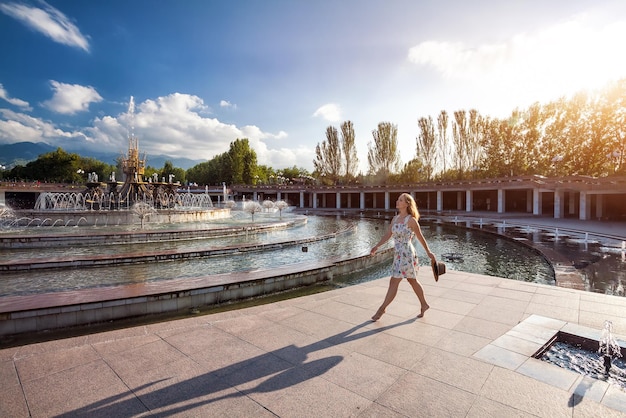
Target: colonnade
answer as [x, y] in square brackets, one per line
[550, 197]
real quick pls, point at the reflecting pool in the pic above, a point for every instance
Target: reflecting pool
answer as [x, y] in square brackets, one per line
[341, 237]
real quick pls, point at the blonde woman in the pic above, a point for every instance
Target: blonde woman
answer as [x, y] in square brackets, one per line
[403, 228]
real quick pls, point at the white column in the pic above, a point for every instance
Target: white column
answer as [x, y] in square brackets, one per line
[314, 200]
[501, 200]
[278, 196]
[599, 206]
[301, 199]
[338, 200]
[469, 200]
[362, 200]
[439, 201]
[386, 200]
[537, 202]
[585, 206]
[559, 204]
[255, 196]
[572, 203]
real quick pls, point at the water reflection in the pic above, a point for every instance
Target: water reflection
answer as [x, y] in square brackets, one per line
[476, 252]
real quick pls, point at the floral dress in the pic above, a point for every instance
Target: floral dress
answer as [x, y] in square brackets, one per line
[405, 262]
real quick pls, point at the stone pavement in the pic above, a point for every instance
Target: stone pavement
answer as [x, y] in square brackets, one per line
[321, 356]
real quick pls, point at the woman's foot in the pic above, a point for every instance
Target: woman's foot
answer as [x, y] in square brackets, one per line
[378, 314]
[424, 309]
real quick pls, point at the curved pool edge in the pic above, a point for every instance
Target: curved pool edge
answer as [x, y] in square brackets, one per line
[57, 311]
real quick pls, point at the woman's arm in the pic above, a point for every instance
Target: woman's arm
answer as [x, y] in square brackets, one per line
[415, 227]
[384, 238]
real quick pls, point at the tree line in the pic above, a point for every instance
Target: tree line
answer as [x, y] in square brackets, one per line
[581, 135]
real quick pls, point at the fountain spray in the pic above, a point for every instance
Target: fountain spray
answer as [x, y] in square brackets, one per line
[608, 347]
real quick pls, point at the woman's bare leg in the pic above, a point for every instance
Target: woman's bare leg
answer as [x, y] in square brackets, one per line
[419, 291]
[392, 291]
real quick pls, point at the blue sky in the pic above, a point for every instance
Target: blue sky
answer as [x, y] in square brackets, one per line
[203, 73]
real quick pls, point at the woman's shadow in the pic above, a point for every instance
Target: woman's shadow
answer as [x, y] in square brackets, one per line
[287, 366]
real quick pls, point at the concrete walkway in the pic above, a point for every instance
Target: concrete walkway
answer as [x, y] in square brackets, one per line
[321, 356]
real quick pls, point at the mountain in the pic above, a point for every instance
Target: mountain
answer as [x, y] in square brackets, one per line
[23, 152]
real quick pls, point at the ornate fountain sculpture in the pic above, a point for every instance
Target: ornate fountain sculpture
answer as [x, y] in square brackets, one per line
[134, 189]
[115, 202]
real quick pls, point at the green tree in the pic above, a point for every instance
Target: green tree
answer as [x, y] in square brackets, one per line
[199, 173]
[383, 156]
[348, 147]
[460, 132]
[241, 163]
[57, 166]
[498, 158]
[413, 172]
[475, 140]
[179, 175]
[427, 146]
[91, 165]
[613, 114]
[443, 140]
[327, 161]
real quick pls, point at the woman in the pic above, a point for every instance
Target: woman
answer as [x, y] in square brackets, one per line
[403, 228]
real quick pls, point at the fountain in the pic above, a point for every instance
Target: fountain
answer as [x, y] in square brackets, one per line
[588, 352]
[608, 347]
[112, 202]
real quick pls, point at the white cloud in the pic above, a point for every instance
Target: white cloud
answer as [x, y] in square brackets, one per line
[18, 127]
[226, 103]
[48, 21]
[172, 125]
[16, 102]
[538, 66]
[71, 98]
[330, 112]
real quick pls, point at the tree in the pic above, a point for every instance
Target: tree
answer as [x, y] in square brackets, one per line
[475, 138]
[178, 174]
[427, 146]
[413, 172]
[460, 133]
[91, 165]
[383, 155]
[499, 158]
[613, 114]
[57, 166]
[328, 156]
[349, 151]
[238, 165]
[241, 163]
[442, 131]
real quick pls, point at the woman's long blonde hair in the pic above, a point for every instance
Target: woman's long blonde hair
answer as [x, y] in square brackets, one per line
[412, 208]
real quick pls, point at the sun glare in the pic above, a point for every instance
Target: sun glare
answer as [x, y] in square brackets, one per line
[530, 67]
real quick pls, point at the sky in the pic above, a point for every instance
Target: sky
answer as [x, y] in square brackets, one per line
[189, 77]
